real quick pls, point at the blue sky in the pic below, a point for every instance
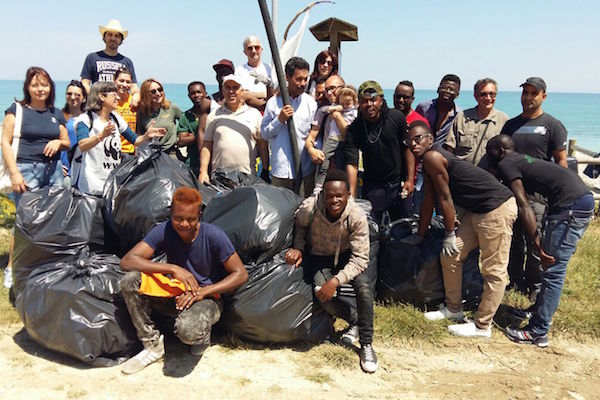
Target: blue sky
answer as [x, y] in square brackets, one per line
[178, 41]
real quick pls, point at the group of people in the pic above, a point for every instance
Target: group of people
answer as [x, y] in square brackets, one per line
[501, 184]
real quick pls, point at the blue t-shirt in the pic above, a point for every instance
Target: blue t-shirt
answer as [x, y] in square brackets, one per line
[100, 67]
[204, 257]
[37, 129]
[64, 156]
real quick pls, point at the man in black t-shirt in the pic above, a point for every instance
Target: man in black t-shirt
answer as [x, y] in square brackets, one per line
[379, 132]
[570, 208]
[490, 211]
[542, 136]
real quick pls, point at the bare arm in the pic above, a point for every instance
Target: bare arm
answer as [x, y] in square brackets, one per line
[316, 155]
[205, 154]
[560, 157]
[86, 84]
[236, 277]
[8, 127]
[426, 205]
[138, 259]
[435, 164]
[409, 183]
[352, 171]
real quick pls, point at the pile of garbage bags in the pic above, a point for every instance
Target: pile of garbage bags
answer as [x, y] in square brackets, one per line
[67, 275]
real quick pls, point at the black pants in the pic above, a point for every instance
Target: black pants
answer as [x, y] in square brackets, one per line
[524, 266]
[386, 196]
[322, 270]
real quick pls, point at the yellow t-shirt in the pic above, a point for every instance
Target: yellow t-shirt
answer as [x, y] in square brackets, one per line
[130, 117]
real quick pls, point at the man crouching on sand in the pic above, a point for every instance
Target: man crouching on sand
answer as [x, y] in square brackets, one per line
[201, 265]
[332, 239]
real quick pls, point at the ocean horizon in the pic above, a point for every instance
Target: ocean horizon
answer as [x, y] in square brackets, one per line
[579, 112]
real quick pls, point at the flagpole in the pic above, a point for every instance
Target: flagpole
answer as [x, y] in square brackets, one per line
[285, 96]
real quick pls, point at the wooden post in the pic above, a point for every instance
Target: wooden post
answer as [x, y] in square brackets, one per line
[571, 150]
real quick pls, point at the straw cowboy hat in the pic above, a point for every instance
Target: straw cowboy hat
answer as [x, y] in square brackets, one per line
[113, 26]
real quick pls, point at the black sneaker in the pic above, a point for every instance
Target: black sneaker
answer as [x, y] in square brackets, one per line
[368, 358]
[523, 314]
[524, 336]
[351, 335]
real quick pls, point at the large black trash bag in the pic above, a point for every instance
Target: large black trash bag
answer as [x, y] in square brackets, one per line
[138, 193]
[230, 179]
[75, 307]
[276, 306]
[414, 274]
[54, 223]
[258, 220]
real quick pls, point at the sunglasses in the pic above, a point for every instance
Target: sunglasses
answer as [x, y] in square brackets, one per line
[156, 91]
[327, 62]
[485, 94]
[72, 94]
[416, 139]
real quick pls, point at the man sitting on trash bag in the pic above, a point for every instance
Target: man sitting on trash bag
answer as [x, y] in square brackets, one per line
[332, 239]
[490, 211]
[570, 209]
[201, 265]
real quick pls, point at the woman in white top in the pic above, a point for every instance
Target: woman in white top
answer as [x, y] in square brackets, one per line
[99, 133]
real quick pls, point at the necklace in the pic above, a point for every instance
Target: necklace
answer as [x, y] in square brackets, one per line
[372, 137]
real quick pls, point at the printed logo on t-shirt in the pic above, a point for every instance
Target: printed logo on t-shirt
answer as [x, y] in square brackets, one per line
[54, 120]
[532, 130]
[106, 70]
[112, 149]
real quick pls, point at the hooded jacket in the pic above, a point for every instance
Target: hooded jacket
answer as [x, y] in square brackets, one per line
[321, 237]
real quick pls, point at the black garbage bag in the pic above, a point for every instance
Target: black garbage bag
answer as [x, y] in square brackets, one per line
[258, 220]
[75, 307]
[414, 274]
[276, 306]
[230, 179]
[54, 223]
[138, 193]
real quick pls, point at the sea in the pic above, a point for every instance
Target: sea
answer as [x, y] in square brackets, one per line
[579, 112]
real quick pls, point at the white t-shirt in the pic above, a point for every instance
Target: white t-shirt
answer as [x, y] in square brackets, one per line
[244, 71]
[233, 136]
[90, 173]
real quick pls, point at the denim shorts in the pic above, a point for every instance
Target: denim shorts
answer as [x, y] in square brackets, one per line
[38, 174]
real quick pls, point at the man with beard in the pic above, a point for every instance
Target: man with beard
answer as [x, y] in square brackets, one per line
[274, 128]
[192, 124]
[542, 136]
[379, 132]
[102, 65]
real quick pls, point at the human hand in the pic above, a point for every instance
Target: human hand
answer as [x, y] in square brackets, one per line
[185, 277]
[286, 113]
[108, 130]
[317, 156]
[409, 186]
[413, 240]
[203, 178]
[449, 245]
[327, 291]
[186, 299]
[65, 171]
[51, 148]
[293, 257]
[153, 132]
[546, 259]
[335, 108]
[18, 182]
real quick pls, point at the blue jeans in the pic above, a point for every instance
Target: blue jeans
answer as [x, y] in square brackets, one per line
[560, 240]
[38, 174]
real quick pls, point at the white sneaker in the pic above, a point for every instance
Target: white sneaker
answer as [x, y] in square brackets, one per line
[444, 313]
[8, 278]
[469, 329]
[144, 358]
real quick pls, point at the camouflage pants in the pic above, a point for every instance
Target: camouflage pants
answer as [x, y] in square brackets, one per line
[192, 325]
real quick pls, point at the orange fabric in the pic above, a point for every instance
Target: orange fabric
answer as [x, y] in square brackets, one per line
[159, 285]
[130, 117]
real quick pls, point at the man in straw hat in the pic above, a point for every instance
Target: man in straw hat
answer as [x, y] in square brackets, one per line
[102, 65]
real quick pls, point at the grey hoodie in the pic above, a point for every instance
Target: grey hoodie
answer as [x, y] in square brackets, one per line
[325, 238]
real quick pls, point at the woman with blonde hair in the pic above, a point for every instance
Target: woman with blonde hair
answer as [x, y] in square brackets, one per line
[155, 110]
